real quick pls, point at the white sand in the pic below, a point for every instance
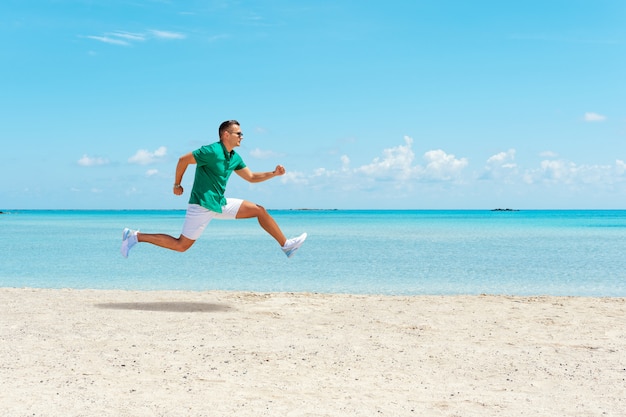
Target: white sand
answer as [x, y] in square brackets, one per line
[116, 353]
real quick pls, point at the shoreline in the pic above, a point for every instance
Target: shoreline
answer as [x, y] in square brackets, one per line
[198, 353]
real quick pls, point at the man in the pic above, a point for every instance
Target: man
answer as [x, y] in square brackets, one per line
[214, 164]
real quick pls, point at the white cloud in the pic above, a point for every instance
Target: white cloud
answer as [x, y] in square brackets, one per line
[261, 154]
[87, 161]
[294, 177]
[548, 154]
[216, 38]
[345, 163]
[502, 157]
[574, 175]
[162, 34]
[123, 38]
[594, 117]
[137, 37]
[442, 166]
[145, 157]
[397, 172]
[322, 172]
[500, 166]
[109, 40]
[554, 170]
[395, 163]
[151, 172]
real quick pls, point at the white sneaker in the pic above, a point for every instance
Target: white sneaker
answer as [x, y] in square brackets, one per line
[129, 239]
[292, 245]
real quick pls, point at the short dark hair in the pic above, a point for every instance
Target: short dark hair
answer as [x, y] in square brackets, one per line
[226, 125]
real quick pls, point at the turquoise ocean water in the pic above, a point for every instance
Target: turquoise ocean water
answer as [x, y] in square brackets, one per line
[534, 252]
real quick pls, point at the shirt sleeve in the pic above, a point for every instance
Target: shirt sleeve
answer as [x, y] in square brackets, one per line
[203, 155]
[239, 163]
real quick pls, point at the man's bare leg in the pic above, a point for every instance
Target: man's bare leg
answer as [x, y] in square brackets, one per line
[249, 210]
[166, 241]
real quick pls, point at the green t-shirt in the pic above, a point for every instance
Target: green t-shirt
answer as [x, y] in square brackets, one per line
[213, 168]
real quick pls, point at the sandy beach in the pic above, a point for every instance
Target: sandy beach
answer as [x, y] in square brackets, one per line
[166, 353]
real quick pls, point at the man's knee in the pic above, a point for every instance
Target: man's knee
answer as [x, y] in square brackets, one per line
[257, 210]
[261, 213]
[184, 244]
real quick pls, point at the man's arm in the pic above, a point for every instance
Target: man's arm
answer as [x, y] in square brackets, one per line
[250, 176]
[183, 162]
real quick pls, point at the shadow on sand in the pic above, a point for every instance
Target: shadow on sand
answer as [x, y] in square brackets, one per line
[168, 306]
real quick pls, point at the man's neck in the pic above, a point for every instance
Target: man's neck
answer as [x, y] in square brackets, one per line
[229, 150]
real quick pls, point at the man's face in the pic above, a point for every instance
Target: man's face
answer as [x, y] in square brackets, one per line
[234, 136]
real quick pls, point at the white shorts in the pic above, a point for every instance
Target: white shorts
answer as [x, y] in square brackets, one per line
[198, 217]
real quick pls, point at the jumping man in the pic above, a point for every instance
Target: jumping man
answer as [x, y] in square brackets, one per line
[214, 164]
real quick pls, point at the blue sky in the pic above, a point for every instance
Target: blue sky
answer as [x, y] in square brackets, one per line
[423, 104]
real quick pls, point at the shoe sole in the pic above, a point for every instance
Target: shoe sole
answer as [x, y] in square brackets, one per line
[124, 249]
[293, 251]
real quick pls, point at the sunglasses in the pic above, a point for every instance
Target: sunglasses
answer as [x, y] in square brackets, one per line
[240, 134]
